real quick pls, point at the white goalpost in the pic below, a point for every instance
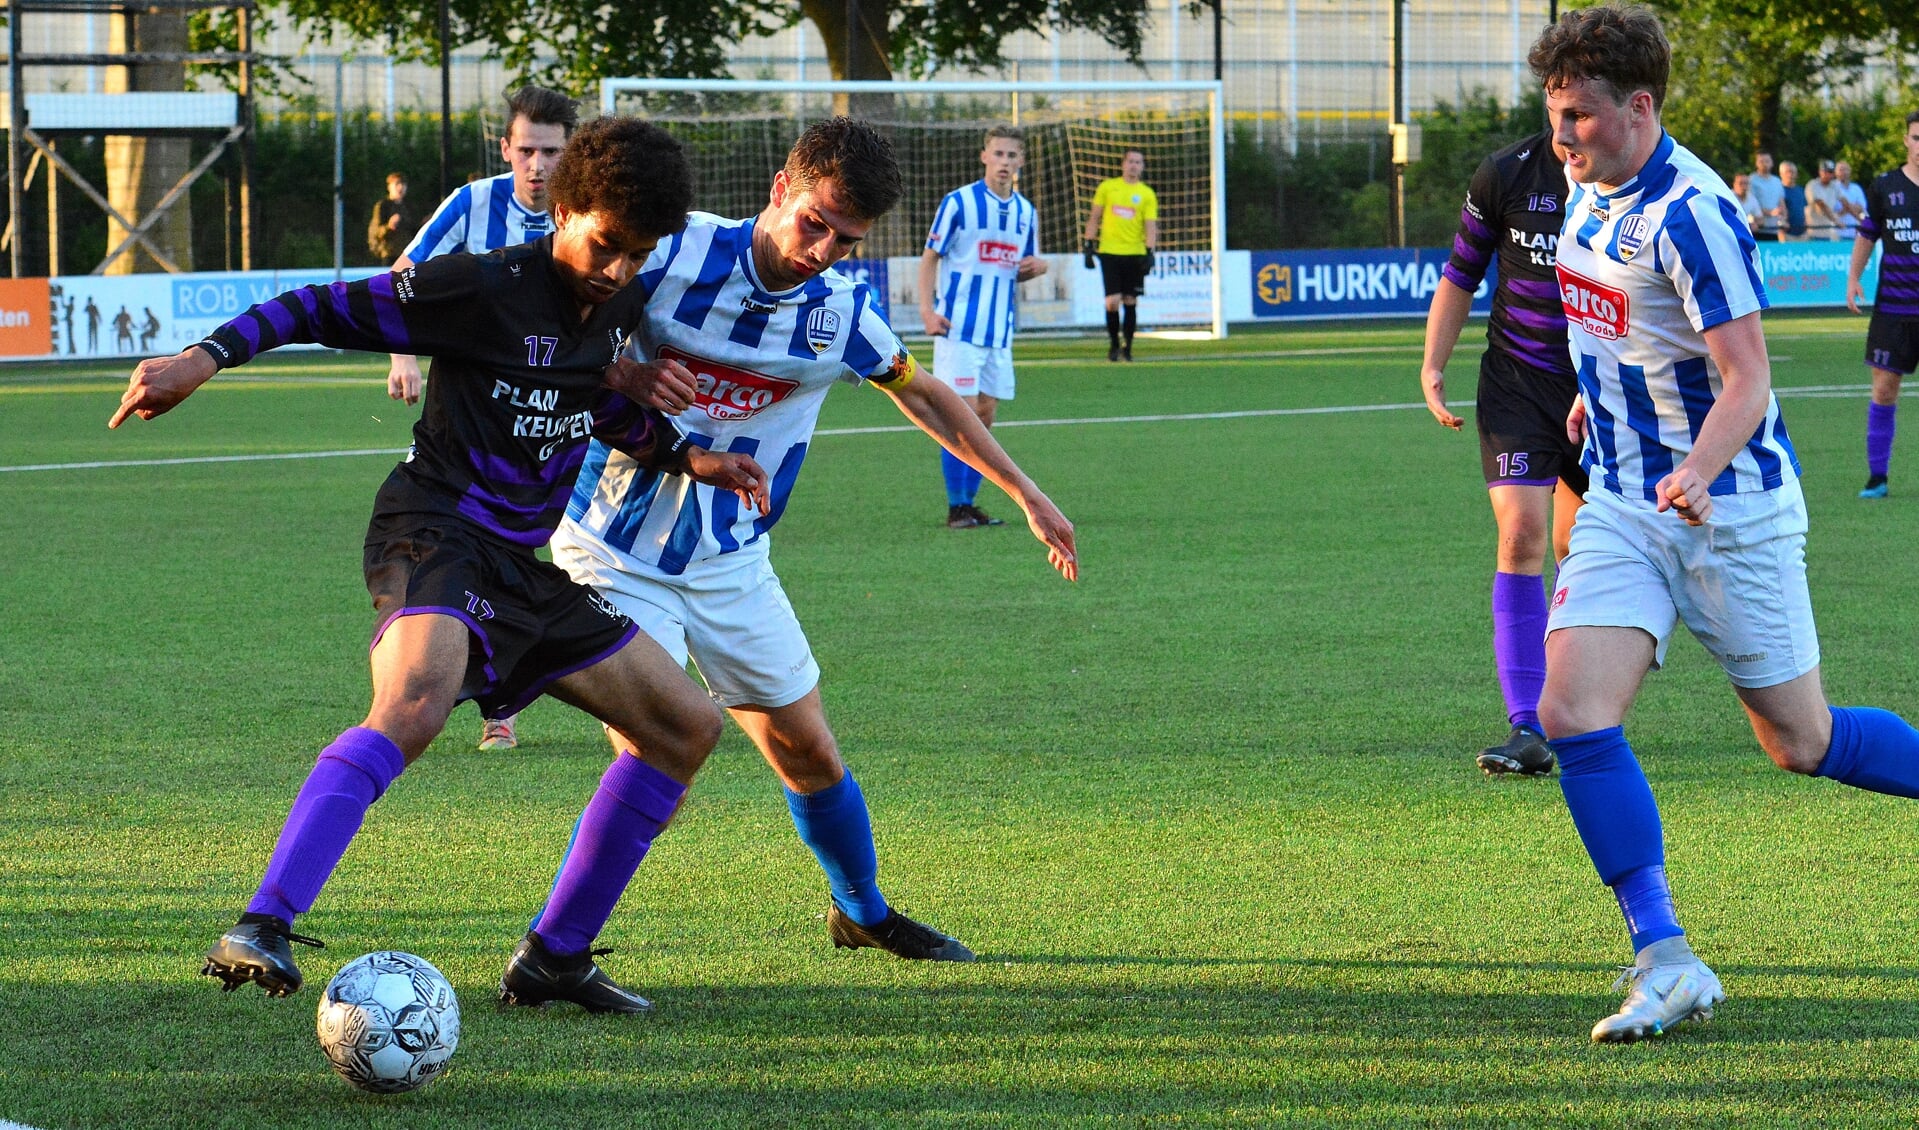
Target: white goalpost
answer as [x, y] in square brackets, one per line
[738, 132]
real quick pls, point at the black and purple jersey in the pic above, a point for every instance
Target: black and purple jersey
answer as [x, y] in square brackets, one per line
[1513, 210]
[516, 388]
[1892, 216]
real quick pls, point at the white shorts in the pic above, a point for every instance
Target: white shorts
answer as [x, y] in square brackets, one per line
[728, 614]
[1738, 582]
[974, 369]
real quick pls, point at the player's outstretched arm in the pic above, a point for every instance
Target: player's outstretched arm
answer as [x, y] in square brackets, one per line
[1855, 271]
[1444, 319]
[1738, 348]
[664, 386]
[403, 371]
[730, 471]
[940, 413]
[159, 383]
[935, 322]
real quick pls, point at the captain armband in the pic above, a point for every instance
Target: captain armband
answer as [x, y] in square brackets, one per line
[898, 373]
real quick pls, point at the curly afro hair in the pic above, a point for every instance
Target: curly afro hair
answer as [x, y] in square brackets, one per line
[634, 172]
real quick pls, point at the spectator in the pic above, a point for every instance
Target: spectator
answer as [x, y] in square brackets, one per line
[1825, 203]
[1749, 207]
[1795, 201]
[1854, 207]
[393, 223]
[1771, 195]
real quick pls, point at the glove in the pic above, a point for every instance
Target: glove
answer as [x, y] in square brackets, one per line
[1086, 249]
[1149, 260]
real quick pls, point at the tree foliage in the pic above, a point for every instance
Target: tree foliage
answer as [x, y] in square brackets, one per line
[572, 44]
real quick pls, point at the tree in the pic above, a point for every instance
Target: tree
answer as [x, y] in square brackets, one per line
[1737, 62]
[588, 40]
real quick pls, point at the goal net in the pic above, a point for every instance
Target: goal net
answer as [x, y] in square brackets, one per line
[738, 134]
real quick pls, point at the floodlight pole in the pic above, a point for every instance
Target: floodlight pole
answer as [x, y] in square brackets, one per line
[1396, 186]
[16, 137]
[1219, 40]
[446, 99]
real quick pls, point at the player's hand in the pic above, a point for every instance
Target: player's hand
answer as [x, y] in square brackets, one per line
[1855, 294]
[1032, 267]
[1051, 527]
[936, 323]
[159, 383]
[1151, 259]
[1686, 492]
[665, 385]
[1433, 382]
[1576, 422]
[730, 471]
[1086, 249]
[403, 378]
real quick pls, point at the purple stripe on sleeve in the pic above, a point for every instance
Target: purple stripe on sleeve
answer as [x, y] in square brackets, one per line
[249, 329]
[386, 307]
[279, 317]
[1470, 254]
[1472, 224]
[1868, 229]
[1460, 279]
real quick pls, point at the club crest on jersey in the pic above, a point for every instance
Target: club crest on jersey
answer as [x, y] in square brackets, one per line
[1594, 307]
[822, 326]
[1632, 233]
[725, 392]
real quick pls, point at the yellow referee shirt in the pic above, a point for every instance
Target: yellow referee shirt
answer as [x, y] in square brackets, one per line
[1125, 208]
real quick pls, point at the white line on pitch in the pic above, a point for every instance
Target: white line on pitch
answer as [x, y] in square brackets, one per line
[1809, 391]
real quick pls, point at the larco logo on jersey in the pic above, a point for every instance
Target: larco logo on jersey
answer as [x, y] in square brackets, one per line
[822, 326]
[1598, 309]
[728, 393]
[993, 253]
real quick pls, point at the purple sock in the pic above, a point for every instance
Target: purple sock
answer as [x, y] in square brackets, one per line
[1882, 421]
[349, 776]
[634, 801]
[1519, 644]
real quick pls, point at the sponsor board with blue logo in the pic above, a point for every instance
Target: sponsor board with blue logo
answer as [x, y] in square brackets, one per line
[1360, 283]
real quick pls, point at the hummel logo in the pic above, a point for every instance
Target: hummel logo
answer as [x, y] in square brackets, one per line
[747, 303]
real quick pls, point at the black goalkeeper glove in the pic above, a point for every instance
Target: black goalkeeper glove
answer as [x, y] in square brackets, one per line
[1149, 260]
[1086, 249]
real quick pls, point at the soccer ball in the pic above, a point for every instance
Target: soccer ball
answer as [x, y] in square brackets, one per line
[388, 1022]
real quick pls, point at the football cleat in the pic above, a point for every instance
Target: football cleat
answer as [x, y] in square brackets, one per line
[497, 733]
[1112, 353]
[255, 949]
[981, 517]
[1875, 487]
[960, 518]
[1125, 353]
[536, 976]
[897, 935]
[1525, 753]
[1661, 997]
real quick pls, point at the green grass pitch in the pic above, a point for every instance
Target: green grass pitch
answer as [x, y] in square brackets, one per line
[1209, 815]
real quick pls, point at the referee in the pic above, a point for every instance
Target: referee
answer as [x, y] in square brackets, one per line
[1123, 229]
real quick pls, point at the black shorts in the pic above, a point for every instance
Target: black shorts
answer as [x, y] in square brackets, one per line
[1892, 343]
[1522, 424]
[1123, 274]
[530, 623]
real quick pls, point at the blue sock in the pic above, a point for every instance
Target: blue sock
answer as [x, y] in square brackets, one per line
[956, 472]
[1875, 750]
[1613, 809]
[973, 480]
[833, 822]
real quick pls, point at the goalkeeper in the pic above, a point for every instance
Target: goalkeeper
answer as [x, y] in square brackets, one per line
[1123, 228]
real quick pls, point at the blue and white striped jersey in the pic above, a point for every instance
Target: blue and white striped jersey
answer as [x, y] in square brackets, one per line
[1644, 271]
[980, 240]
[764, 362]
[479, 216]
